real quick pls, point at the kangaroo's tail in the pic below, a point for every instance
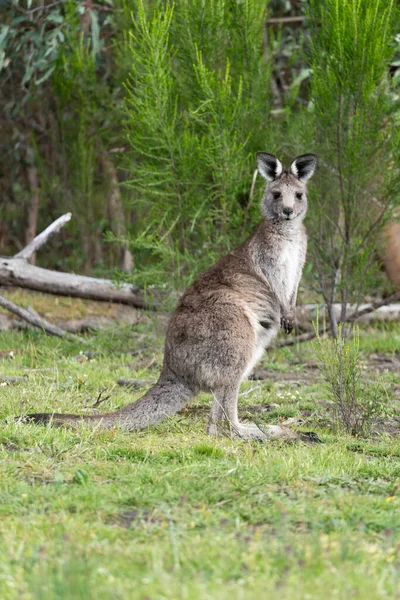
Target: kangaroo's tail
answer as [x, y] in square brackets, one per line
[164, 399]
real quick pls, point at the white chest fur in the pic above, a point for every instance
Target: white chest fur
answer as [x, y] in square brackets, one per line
[283, 272]
[289, 267]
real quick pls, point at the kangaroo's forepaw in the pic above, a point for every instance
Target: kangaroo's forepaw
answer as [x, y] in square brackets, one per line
[287, 323]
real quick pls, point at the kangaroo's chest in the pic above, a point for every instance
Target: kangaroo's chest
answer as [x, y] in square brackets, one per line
[283, 268]
[289, 267]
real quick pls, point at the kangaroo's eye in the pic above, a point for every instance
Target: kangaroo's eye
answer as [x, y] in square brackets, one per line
[299, 195]
[276, 195]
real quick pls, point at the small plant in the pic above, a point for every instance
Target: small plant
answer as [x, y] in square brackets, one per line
[357, 400]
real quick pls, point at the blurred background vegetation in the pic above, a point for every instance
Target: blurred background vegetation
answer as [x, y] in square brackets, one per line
[142, 118]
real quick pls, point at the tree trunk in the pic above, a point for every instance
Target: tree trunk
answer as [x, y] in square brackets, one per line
[32, 209]
[391, 259]
[116, 212]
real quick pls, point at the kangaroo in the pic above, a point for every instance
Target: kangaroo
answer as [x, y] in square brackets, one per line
[229, 315]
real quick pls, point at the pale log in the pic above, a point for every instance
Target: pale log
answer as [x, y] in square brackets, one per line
[18, 272]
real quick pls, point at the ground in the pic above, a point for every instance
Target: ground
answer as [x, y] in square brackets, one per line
[170, 513]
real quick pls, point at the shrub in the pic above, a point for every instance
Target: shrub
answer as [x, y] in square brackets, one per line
[197, 111]
[357, 401]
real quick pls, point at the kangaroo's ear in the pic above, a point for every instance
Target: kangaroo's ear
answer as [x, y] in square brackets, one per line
[269, 166]
[303, 167]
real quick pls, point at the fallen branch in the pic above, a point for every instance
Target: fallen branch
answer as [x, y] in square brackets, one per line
[17, 271]
[373, 306]
[33, 318]
[42, 238]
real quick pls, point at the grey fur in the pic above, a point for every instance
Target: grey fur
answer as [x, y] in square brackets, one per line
[229, 315]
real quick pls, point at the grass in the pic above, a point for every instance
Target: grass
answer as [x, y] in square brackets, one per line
[169, 513]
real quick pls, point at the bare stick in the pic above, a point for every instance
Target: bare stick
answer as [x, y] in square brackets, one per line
[33, 312]
[42, 238]
[33, 319]
[100, 399]
[305, 337]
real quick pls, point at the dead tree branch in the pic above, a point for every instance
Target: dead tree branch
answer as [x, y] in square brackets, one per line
[34, 319]
[17, 271]
[42, 238]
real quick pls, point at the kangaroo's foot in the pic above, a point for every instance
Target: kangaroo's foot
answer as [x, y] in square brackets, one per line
[280, 432]
[250, 431]
[246, 431]
[224, 421]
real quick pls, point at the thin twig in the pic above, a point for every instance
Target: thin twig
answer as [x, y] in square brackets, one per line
[30, 11]
[100, 399]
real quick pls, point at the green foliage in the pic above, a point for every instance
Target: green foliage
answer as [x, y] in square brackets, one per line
[59, 80]
[197, 110]
[357, 401]
[31, 46]
[355, 129]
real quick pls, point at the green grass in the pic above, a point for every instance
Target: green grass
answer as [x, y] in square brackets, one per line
[172, 514]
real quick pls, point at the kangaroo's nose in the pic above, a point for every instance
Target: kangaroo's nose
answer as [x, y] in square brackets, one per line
[287, 211]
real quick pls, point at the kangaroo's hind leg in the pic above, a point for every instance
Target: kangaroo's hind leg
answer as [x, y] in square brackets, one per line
[217, 415]
[225, 408]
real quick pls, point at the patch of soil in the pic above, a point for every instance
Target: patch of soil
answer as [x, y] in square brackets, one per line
[379, 361]
[389, 426]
